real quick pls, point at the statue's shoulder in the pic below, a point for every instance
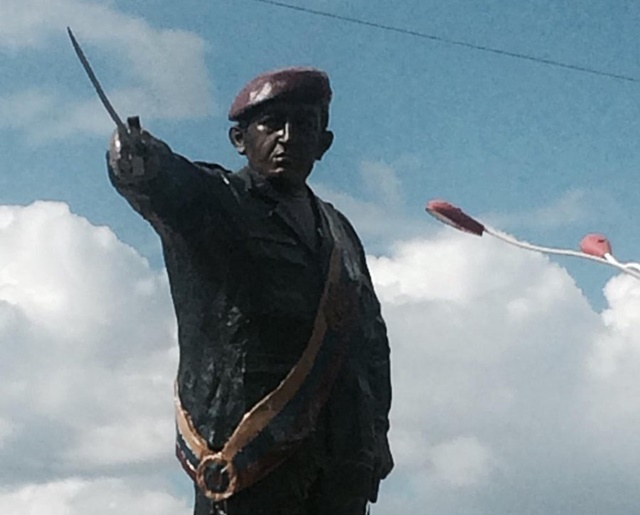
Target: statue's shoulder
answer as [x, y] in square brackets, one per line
[330, 210]
[340, 219]
[327, 207]
[236, 180]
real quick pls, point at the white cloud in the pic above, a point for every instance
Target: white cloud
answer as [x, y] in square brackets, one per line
[88, 351]
[96, 497]
[495, 395]
[6, 431]
[511, 395]
[462, 461]
[164, 69]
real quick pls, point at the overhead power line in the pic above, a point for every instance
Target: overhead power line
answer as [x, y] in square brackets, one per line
[439, 39]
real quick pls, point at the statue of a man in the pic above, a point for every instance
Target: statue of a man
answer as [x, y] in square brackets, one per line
[283, 390]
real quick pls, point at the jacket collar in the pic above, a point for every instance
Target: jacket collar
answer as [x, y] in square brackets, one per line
[258, 185]
[259, 188]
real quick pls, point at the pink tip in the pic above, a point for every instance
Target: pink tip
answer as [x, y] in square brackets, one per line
[454, 217]
[595, 245]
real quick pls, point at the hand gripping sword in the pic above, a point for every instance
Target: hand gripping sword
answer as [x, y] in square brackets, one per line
[131, 132]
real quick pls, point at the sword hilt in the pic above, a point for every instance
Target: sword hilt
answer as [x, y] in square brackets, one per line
[135, 133]
[133, 122]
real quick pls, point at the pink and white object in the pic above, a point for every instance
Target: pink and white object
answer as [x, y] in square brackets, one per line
[595, 247]
[454, 216]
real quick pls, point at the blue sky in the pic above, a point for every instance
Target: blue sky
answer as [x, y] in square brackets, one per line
[544, 153]
[493, 134]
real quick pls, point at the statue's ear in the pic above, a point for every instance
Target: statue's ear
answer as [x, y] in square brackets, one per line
[236, 137]
[326, 139]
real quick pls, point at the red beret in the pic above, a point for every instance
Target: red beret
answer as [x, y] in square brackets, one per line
[298, 84]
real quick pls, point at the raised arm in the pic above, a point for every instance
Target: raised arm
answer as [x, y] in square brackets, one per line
[169, 191]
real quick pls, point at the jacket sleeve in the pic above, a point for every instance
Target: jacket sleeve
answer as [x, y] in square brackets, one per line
[376, 342]
[379, 360]
[378, 369]
[174, 194]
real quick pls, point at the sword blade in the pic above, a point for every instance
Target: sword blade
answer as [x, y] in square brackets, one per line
[96, 84]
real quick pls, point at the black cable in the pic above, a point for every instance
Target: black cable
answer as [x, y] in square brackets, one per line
[439, 39]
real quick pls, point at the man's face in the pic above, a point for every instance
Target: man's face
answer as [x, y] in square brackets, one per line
[283, 141]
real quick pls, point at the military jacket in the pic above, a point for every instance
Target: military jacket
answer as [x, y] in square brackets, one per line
[245, 289]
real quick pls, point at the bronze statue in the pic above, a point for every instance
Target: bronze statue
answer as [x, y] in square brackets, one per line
[283, 390]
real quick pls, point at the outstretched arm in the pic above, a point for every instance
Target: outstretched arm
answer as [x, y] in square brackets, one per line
[169, 191]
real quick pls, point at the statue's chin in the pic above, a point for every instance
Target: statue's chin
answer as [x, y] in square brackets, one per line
[285, 177]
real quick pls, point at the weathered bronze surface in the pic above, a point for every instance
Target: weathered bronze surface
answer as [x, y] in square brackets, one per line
[268, 327]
